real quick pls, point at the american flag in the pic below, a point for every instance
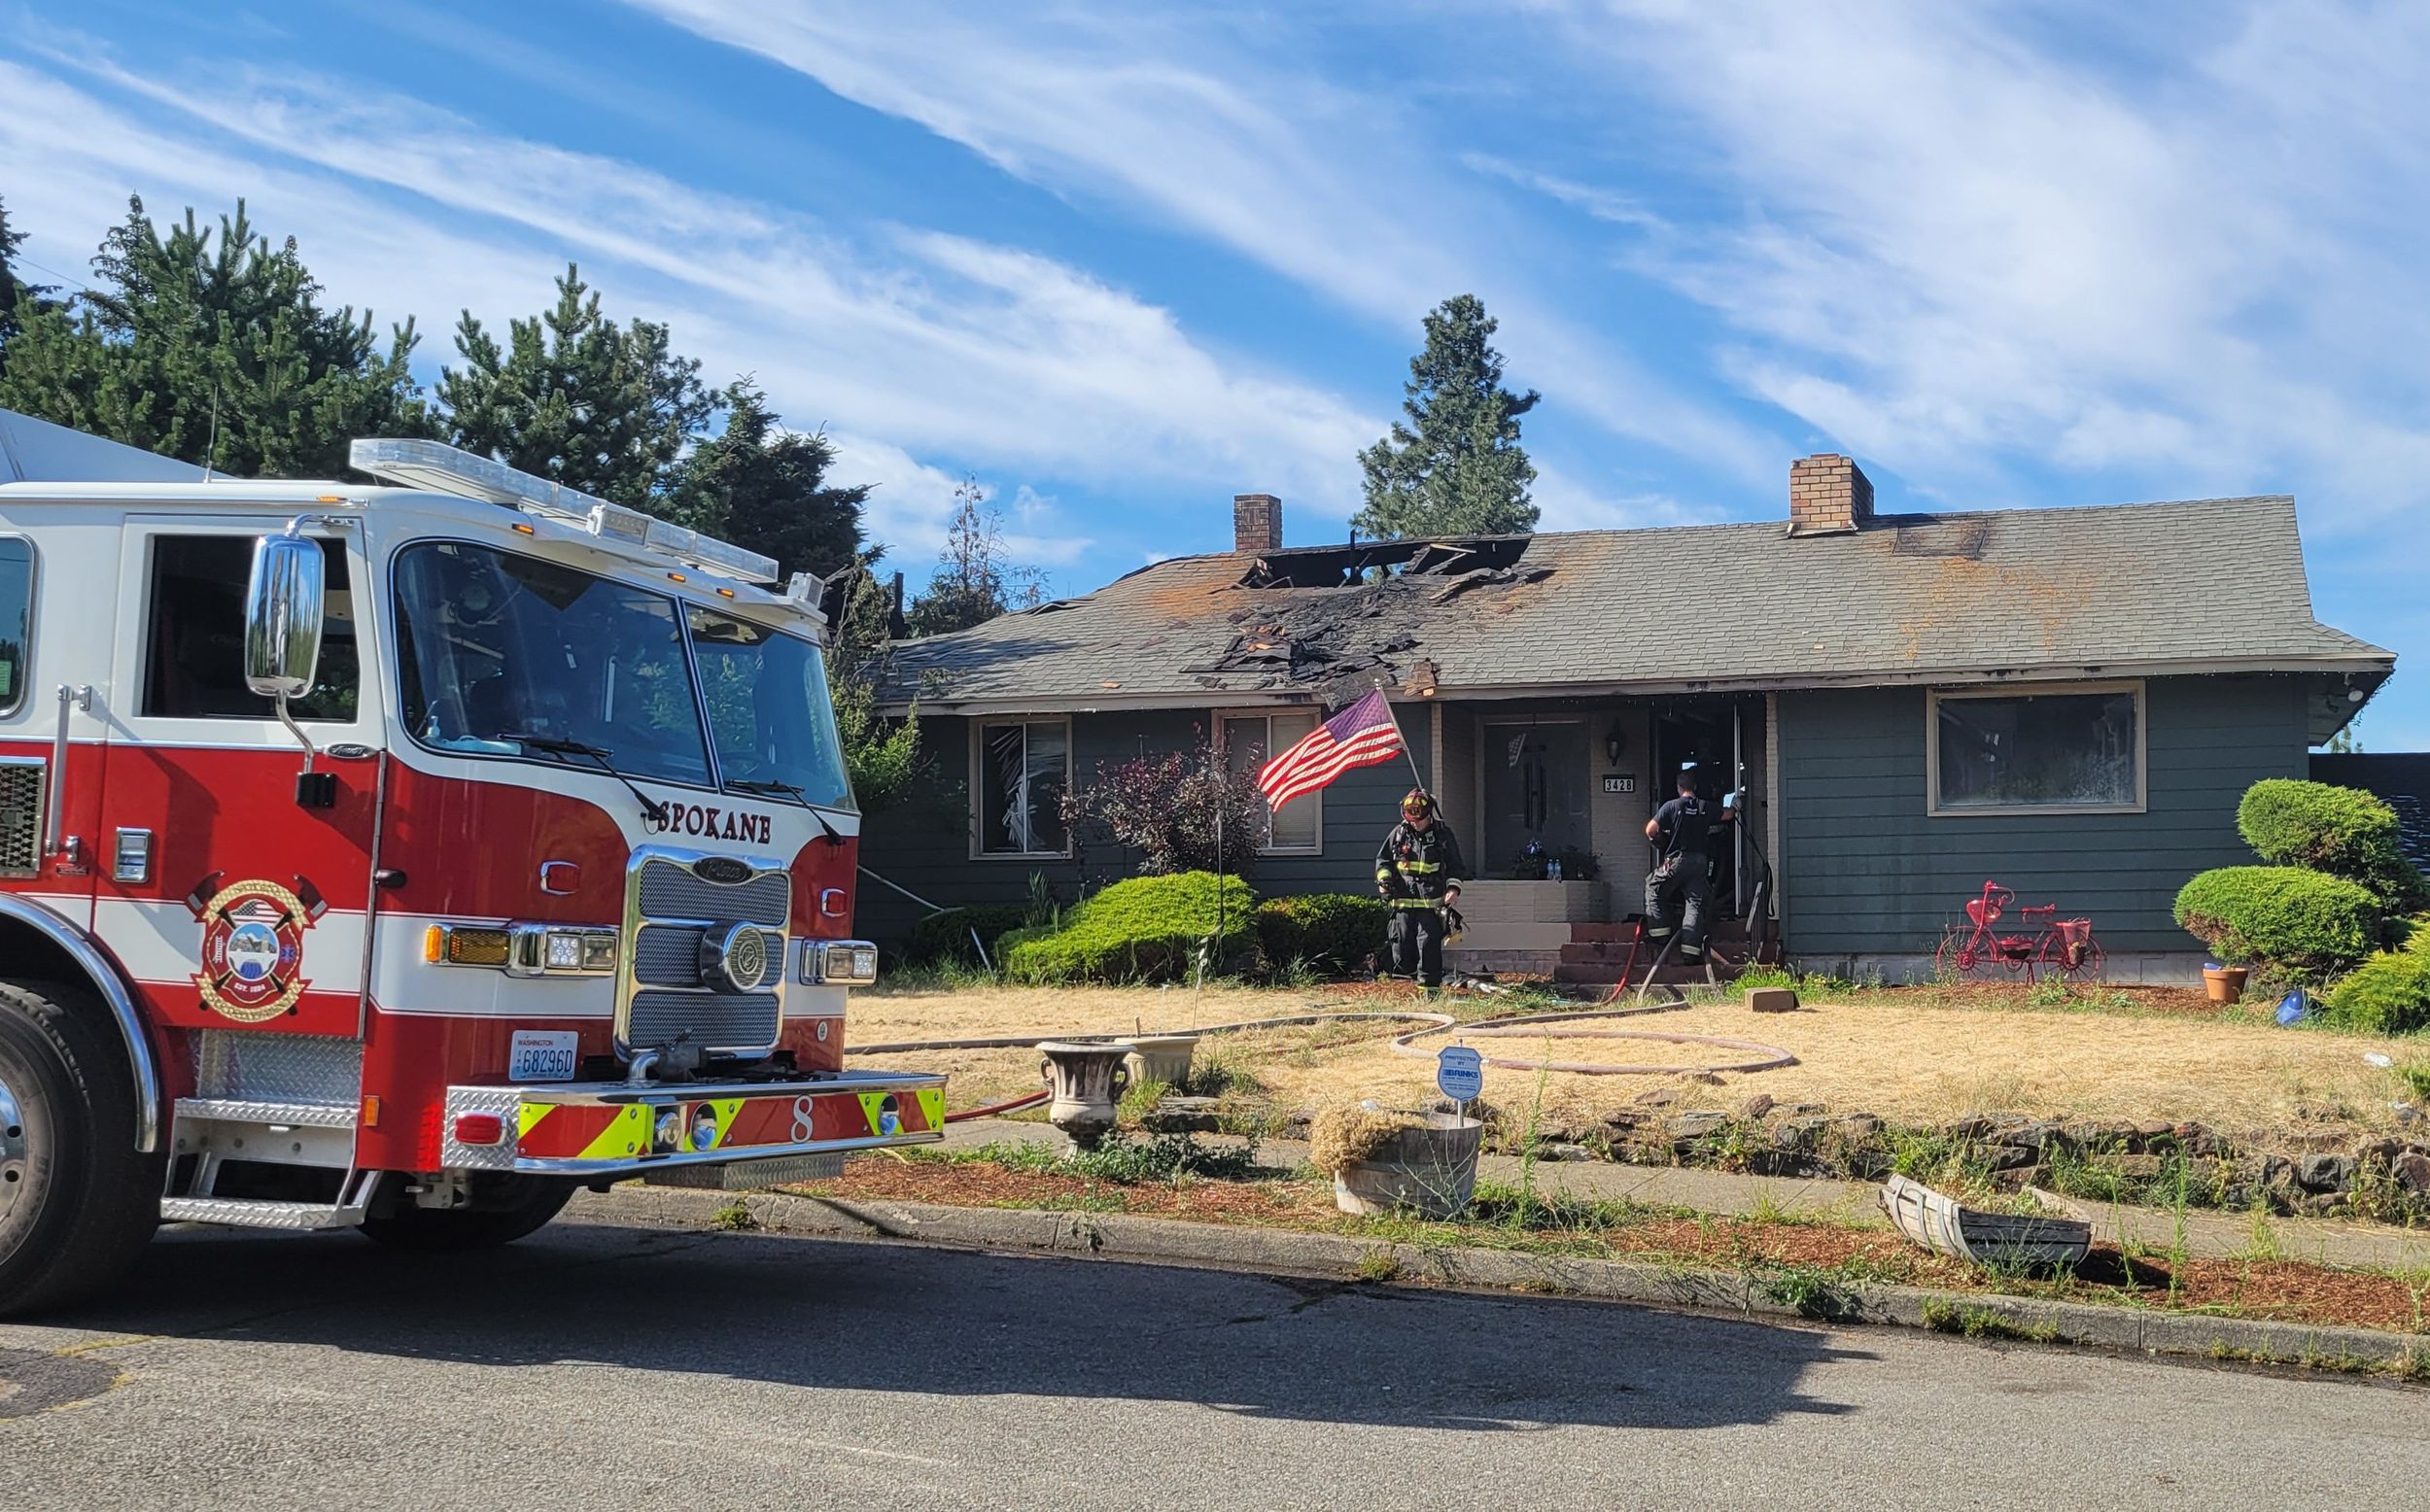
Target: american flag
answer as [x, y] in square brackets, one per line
[1360, 735]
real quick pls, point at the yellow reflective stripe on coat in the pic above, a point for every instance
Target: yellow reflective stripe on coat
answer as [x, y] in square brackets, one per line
[1419, 865]
[1416, 903]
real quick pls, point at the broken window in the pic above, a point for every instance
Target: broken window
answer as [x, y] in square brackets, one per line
[1250, 742]
[1020, 773]
[2076, 748]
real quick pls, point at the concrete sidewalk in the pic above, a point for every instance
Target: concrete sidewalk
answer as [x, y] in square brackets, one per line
[2207, 1234]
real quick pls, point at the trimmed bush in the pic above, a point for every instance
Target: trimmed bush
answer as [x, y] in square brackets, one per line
[2343, 831]
[2307, 922]
[2386, 994]
[946, 937]
[1328, 931]
[1147, 929]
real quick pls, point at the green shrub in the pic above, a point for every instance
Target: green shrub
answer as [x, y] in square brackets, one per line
[2309, 923]
[1328, 931]
[946, 937]
[2386, 994]
[1147, 929]
[2343, 831]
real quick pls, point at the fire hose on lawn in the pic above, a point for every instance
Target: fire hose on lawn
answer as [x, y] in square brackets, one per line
[1753, 1055]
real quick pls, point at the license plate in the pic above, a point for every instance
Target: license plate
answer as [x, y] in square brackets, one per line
[542, 1055]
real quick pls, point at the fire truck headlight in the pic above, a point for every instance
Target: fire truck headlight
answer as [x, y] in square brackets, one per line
[565, 951]
[848, 963]
[704, 1127]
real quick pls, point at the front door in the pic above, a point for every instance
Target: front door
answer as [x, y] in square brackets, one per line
[1536, 778]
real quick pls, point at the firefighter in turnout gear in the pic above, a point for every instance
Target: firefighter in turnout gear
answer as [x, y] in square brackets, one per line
[1418, 870]
[1676, 889]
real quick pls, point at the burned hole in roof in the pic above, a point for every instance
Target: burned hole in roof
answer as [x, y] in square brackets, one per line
[1924, 535]
[1362, 564]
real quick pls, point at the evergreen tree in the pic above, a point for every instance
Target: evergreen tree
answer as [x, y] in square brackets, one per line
[212, 348]
[761, 485]
[18, 298]
[1456, 466]
[881, 754]
[974, 582]
[576, 398]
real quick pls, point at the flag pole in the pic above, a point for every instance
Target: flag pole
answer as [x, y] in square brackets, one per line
[1406, 748]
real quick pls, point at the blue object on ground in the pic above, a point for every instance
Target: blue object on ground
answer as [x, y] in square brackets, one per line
[2294, 1008]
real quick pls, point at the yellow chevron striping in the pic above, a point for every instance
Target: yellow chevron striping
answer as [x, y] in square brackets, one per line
[626, 1134]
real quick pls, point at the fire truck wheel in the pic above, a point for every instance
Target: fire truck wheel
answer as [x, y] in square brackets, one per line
[78, 1201]
[500, 1214]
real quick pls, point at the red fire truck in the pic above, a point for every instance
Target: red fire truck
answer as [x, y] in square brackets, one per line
[403, 857]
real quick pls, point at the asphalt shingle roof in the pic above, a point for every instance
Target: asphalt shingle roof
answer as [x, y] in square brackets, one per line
[2209, 583]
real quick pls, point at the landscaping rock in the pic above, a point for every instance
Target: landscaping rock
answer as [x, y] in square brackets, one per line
[1175, 1114]
[2012, 1157]
[2321, 1173]
[2411, 1172]
[1860, 1126]
[1694, 1126]
[1563, 1150]
[1799, 1133]
[1772, 1000]
[1756, 1107]
[1658, 1098]
[2142, 1136]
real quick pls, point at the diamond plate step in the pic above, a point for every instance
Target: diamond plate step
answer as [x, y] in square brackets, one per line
[244, 1213]
[240, 1110]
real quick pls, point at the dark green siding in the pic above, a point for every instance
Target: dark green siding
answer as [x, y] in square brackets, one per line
[1866, 871]
[923, 844]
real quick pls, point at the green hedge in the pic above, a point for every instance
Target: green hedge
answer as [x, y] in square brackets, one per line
[2308, 922]
[1147, 929]
[2343, 831]
[2388, 993]
[946, 937]
[1332, 932]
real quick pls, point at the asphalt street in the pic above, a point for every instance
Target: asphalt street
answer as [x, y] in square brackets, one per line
[621, 1368]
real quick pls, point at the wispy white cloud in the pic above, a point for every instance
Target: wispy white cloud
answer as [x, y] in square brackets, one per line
[942, 345]
[1184, 121]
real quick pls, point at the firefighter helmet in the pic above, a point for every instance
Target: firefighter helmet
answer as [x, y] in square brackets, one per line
[1418, 803]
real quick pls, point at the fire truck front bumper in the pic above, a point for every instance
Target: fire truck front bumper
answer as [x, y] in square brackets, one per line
[593, 1129]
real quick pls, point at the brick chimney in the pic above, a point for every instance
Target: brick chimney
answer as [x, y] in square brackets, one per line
[1256, 523]
[1828, 494]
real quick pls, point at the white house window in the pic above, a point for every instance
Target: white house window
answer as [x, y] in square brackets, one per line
[1250, 740]
[2074, 748]
[1019, 775]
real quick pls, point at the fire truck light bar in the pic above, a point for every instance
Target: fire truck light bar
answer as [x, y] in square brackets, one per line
[440, 469]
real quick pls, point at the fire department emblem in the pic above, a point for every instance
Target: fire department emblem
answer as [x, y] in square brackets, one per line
[252, 945]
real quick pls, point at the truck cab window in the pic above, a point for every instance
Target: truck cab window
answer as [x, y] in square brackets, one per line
[17, 620]
[195, 628]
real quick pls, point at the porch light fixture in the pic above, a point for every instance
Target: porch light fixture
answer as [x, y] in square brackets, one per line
[1614, 741]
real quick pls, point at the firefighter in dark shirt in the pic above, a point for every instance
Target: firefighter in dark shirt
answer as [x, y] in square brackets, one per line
[1675, 887]
[1418, 870]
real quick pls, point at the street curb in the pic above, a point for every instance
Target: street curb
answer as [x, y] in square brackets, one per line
[1241, 1248]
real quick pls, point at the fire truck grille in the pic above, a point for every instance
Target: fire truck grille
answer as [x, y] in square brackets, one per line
[670, 908]
[670, 890]
[20, 817]
[714, 1019]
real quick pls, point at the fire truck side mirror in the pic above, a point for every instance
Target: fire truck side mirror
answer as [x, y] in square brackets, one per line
[283, 616]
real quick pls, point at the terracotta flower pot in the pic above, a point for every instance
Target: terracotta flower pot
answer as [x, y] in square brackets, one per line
[2224, 984]
[1431, 1171]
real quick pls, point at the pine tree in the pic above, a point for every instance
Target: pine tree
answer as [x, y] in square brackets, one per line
[212, 348]
[974, 582]
[18, 298]
[1456, 466]
[761, 485]
[576, 398]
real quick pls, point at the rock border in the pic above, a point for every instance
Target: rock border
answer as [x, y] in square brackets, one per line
[1258, 1251]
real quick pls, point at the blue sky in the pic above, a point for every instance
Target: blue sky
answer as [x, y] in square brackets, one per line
[1122, 261]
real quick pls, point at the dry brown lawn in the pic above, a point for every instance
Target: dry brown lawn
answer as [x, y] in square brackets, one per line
[1910, 1056]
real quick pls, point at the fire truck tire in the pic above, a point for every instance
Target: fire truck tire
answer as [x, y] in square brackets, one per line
[500, 1216]
[78, 1201]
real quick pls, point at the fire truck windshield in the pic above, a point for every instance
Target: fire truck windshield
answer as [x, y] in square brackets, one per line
[768, 710]
[508, 654]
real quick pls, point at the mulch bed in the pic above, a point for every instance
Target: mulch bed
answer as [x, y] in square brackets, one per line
[2283, 1291]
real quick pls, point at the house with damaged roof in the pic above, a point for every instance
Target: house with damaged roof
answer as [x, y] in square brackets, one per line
[2070, 701]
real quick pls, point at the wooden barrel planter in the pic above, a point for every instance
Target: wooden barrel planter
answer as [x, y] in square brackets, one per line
[1428, 1169]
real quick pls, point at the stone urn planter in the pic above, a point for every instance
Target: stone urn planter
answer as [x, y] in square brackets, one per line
[1428, 1169]
[2224, 984]
[1161, 1057]
[1087, 1080]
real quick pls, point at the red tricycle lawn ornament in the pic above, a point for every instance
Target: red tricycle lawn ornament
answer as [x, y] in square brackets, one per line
[2046, 946]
